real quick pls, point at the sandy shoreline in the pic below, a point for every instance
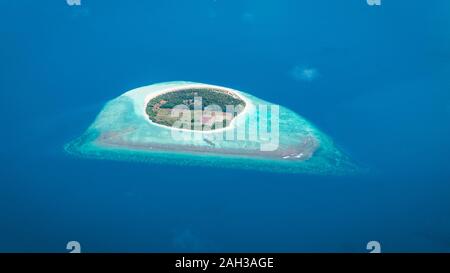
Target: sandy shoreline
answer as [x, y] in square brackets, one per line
[279, 155]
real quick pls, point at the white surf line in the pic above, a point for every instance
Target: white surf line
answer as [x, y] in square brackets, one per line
[182, 87]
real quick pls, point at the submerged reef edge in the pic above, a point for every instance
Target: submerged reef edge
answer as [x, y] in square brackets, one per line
[127, 130]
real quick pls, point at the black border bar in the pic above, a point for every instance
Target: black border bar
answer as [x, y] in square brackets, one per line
[224, 262]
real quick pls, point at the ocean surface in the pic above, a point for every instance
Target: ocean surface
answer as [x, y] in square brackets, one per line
[374, 78]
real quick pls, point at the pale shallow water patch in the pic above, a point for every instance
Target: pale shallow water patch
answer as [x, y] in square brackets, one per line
[122, 131]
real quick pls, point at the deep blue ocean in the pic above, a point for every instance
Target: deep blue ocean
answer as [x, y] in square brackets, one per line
[374, 78]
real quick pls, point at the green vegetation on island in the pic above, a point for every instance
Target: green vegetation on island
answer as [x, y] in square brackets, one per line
[159, 108]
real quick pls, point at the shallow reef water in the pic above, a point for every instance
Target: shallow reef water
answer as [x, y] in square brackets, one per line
[274, 138]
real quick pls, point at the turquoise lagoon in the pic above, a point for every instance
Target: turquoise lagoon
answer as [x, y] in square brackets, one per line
[123, 131]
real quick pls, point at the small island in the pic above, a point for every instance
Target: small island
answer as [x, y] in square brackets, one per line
[136, 127]
[226, 105]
